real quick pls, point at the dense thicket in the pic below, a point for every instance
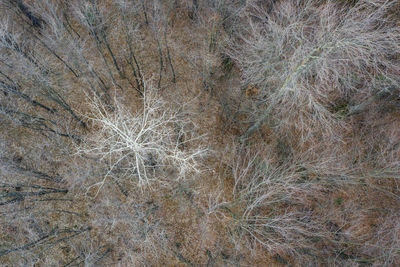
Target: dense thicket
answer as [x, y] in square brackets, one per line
[200, 133]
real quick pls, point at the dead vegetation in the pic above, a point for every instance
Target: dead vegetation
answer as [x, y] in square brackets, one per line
[199, 133]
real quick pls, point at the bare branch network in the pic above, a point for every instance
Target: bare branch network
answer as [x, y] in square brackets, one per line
[156, 143]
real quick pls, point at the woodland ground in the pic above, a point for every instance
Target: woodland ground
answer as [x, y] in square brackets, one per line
[199, 133]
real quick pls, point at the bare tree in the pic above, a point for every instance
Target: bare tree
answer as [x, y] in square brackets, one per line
[154, 143]
[302, 56]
